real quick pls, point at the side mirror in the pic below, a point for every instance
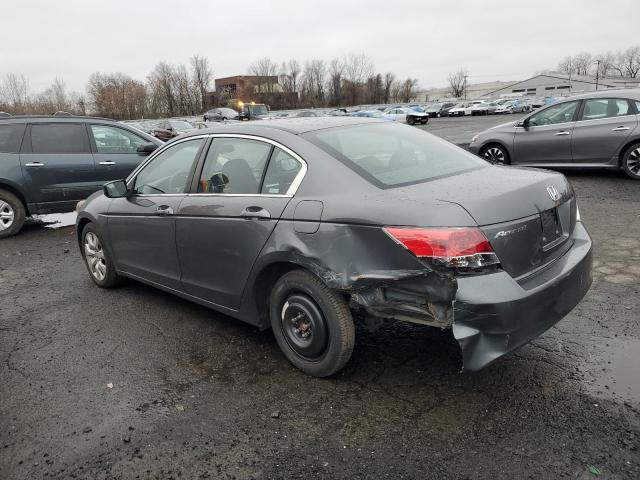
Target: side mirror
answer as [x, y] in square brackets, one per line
[146, 148]
[523, 123]
[115, 189]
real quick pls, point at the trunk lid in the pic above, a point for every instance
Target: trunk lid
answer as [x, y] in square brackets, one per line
[526, 214]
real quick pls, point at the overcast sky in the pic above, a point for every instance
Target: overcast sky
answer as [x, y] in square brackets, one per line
[494, 40]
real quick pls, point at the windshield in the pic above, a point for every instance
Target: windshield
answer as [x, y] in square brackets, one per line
[258, 110]
[390, 155]
[180, 125]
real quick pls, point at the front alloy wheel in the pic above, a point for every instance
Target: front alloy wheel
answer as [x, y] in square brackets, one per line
[100, 266]
[631, 162]
[496, 155]
[7, 216]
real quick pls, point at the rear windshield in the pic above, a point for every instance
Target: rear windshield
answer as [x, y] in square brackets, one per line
[390, 155]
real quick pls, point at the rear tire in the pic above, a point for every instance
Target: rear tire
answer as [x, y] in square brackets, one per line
[12, 214]
[97, 259]
[312, 324]
[495, 154]
[631, 161]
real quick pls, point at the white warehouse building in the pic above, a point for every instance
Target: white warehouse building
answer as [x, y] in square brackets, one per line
[557, 84]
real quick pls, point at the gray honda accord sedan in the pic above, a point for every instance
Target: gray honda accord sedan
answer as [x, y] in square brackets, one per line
[301, 225]
[594, 130]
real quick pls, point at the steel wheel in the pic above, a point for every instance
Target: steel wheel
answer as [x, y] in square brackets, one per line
[633, 162]
[304, 326]
[495, 155]
[94, 256]
[7, 216]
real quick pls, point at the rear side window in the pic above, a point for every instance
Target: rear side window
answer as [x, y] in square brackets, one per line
[11, 137]
[281, 172]
[58, 138]
[605, 108]
[390, 155]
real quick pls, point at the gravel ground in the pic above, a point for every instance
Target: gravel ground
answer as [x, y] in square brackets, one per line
[136, 383]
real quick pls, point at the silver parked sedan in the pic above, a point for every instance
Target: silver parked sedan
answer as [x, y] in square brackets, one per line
[599, 129]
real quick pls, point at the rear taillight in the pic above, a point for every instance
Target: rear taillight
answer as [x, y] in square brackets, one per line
[464, 247]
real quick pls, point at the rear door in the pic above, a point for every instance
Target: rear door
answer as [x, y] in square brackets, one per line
[57, 164]
[244, 185]
[115, 151]
[546, 138]
[602, 129]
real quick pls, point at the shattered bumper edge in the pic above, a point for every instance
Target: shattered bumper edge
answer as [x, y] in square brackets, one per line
[494, 315]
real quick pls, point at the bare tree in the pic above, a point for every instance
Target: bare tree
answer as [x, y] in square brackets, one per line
[629, 61]
[457, 83]
[14, 93]
[202, 76]
[389, 78]
[582, 62]
[117, 96]
[334, 83]
[408, 89]
[289, 78]
[606, 63]
[357, 68]
[313, 81]
[567, 65]
[264, 68]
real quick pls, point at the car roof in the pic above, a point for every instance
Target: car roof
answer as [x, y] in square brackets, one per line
[632, 93]
[295, 125]
[55, 119]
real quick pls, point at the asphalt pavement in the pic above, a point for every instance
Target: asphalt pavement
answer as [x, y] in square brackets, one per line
[136, 383]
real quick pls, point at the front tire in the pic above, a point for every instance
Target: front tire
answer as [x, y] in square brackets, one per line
[411, 121]
[495, 154]
[12, 214]
[97, 259]
[631, 161]
[312, 324]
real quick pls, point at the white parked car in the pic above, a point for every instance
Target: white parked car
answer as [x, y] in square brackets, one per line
[408, 115]
[506, 107]
[461, 109]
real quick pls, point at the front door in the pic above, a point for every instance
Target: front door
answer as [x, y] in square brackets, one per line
[603, 127]
[115, 151]
[546, 136]
[142, 226]
[57, 165]
[243, 190]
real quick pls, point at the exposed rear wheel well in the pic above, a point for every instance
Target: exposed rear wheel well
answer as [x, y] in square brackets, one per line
[4, 186]
[264, 284]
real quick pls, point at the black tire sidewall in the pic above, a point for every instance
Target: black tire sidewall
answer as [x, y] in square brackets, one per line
[19, 213]
[507, 159]
[111, 279]
[333, 358]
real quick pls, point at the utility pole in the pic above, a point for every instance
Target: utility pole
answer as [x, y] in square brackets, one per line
[597, 74]
[465, 86]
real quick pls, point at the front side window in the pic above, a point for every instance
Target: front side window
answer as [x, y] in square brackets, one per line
[561, 113]
[390, 155]
[281, 172]
[605, 108]
[234, 165]
[115, 140]
[58, 138]
[169, 171]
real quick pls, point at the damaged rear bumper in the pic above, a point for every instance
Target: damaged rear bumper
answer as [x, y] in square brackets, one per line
[494, 315]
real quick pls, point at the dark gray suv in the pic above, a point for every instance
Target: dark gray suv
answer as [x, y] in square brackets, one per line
[48, 164]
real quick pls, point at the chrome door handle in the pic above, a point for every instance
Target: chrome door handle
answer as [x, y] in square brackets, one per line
[164, 210]
[108, 162]
[562, 133]
[34, 164]
[620, 129]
